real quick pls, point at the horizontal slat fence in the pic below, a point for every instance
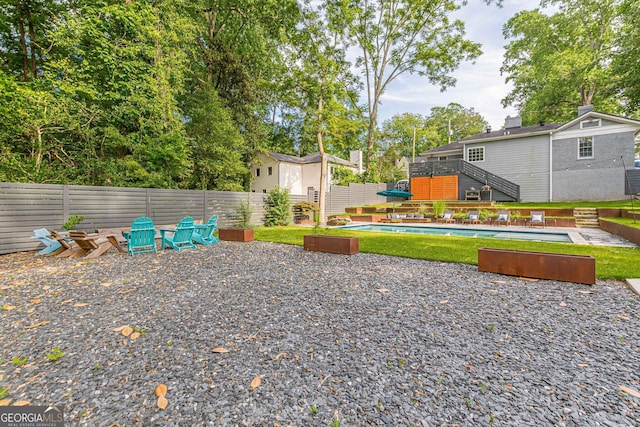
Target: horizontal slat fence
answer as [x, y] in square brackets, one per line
[26, 207]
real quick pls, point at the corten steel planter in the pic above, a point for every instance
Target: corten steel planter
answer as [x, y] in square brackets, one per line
[236, 234]
[331, 244]
[632, 234]
[539, 265]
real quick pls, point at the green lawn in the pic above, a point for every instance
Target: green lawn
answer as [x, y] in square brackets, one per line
[611, 262]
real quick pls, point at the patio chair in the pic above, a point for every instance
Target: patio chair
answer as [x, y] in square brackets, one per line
[537, 218]
[180, 237]
[473, 217]
[142, 236]
[203, 233]
[71, 249]
[446, 218]
[51, 245]
[504, 217]
[93, 244]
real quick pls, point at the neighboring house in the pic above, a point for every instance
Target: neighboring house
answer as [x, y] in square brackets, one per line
[404, 162]
[297, 174]
[578, 160]
[451, 151]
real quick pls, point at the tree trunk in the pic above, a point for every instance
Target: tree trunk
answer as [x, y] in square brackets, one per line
[23, 43]
[323, 162]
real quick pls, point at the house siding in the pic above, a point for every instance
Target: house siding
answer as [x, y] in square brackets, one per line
[290, 176]
[524, 161]
[598, 178]
[264, 181]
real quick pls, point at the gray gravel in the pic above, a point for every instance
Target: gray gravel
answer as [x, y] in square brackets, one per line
[363, 339]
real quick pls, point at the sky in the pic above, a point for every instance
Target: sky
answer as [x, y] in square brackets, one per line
[479, 85]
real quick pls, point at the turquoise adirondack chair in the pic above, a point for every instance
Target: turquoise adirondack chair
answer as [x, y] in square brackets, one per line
[142, 237]
[180, 237]
[51, 245]
[203, 233]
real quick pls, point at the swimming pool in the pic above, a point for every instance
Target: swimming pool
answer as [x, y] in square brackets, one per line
[465, 232]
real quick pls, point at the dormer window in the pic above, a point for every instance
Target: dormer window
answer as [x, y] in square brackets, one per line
[593, 123]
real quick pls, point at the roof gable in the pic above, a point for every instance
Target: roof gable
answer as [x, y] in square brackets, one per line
[309, 159]
[603, 116]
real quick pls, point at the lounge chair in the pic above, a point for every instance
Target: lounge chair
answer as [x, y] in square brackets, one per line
[181, 236]
[447, 218]
[51, 246]
[71, 249]
[142, 236]
[473, 217]
[504, 217]
[93, 244]
[203, 233]
[537, 218]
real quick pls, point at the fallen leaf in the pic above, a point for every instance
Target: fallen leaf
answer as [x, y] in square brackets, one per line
[161, 390]
[35, 325]
[587, 292]
[120, 328]
[7, 307]
[124, 292]
[279, 355]
[563, 304]
[382, 290]
[630, 391]
[21, 403]
[162, 402]
[255, 383]
[66, 301]
[107, 284]
[623, 317]
[444, 301]
[5, 402]
[220, 350]
[81, 304]
[583, 365]
[35, 301]
[134, 336]
[498, 281]
[528, 279]
[127, 331]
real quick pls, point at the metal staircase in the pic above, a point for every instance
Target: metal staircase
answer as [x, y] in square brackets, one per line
[448, 167]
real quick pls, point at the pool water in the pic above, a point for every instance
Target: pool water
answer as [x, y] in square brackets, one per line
[464, 232]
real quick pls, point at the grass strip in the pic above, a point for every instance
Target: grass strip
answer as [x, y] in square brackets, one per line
[611, 262]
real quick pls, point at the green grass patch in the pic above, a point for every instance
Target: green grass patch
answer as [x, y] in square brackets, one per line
[611, 262]
[629, 222]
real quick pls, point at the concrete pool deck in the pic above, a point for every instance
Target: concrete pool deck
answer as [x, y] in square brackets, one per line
[584, 236]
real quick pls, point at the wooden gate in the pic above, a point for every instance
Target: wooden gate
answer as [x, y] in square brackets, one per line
[437, 188]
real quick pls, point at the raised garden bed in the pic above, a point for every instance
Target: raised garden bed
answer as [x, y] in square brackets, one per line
[538, 265]
[236, 234]
[630, 233]
[331, 244]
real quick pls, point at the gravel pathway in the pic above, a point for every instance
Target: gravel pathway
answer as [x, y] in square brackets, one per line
[332, 340]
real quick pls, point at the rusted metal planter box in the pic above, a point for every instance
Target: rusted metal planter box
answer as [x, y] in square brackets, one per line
[331, 244]
[236, 234]
[539, 265]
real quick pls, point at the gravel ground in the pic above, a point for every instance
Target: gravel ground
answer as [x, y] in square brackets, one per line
[334, 340]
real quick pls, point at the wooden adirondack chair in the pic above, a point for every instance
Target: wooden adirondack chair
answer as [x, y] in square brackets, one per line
[51, 246]
[203, 233]
[180, 237]
[142, 237]
[93, 244]
[71, 249]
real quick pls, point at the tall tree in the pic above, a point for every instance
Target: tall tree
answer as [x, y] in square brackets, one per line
[626, 62]
[396, 37]
[557, 63]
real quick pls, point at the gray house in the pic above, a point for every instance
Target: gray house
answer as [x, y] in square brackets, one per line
[588, 158]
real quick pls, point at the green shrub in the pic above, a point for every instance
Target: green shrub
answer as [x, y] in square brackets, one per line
[438, 208]
[72, 221]
[278, 208]
[244, 215]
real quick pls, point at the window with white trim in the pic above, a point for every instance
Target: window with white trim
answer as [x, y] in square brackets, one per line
[475, 154]
[585, 147]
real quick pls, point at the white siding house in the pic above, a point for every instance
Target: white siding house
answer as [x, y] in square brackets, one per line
[296, 174]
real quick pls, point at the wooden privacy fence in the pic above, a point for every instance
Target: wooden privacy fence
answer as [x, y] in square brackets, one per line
[26, 207]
